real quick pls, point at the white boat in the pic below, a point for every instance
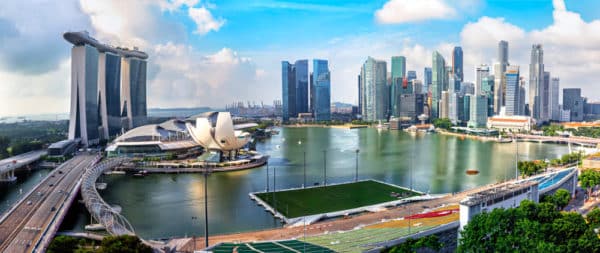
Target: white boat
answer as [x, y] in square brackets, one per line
[94, 227]
[100, 186]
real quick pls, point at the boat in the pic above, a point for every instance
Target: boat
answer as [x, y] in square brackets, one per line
[472, 172]
[94, 227]
[100, 186]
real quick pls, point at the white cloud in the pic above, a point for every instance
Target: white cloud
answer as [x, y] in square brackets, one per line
[405, 11]
[571, 47]
[205, 22]
[188, 77]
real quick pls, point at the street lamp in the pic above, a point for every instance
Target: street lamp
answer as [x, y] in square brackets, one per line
[304, 183]
[206, 172]
[356, 175]
[325, 167]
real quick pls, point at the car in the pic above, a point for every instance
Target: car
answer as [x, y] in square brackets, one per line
[29, 203]
[39, 193]
[60, 172]
[51, 185]
[52, 209]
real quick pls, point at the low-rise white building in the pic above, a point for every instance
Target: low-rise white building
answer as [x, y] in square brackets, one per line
[511, 123]
[504, 196]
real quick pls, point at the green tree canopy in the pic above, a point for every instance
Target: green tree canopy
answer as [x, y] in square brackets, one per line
[530, 227]
[123, 244]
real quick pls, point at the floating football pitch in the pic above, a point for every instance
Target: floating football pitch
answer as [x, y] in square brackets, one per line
[332, 198]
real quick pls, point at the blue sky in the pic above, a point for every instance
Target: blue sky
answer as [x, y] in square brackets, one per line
[210, 53]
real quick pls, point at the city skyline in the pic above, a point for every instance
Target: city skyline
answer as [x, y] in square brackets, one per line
[203, 38]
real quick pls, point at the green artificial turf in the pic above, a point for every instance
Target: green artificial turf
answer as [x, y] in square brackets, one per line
[331, 198]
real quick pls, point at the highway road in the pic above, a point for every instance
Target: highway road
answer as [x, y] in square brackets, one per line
[23, 227]
[18, 160]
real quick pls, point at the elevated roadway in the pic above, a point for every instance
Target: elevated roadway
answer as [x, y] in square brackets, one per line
[9, 165]
[30, 225]
[577, 140]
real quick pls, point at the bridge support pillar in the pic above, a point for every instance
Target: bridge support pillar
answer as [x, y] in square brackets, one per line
[8, 176]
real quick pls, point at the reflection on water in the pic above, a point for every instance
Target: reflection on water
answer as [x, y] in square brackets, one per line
[161, 206]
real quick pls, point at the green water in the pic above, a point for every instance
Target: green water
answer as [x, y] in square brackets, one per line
[162, 206]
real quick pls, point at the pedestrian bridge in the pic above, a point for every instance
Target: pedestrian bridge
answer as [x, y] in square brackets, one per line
[576, 140]
[9, 165]
[113, 222]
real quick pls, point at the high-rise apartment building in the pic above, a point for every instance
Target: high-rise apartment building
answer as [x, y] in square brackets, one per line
[457, 63]
[411, 106]
[438, 83]
[360, 105]
[375, 93]
[536, 82]
[322, 90]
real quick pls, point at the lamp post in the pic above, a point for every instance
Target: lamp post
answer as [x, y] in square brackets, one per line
[206, 171]
[304, 183]
[356, 174]
[325, 167]
[267, 177]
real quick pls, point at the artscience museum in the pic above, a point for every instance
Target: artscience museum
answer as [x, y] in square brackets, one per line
[213, 135]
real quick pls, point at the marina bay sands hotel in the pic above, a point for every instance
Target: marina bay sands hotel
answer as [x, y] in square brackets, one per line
[108, 89]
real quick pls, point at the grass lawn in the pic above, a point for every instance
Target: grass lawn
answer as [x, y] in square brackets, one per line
[309, 201]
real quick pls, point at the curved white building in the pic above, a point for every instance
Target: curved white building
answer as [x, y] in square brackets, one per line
[215, 132]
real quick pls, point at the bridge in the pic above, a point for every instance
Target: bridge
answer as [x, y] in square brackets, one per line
[30, 224]
[577, 140]
[9, 165]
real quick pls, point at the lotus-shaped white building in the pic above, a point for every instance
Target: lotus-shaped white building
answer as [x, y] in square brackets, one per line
[215, 131]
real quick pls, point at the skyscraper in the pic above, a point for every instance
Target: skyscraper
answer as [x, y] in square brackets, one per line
[133, 91]
[554, 93]
[536, 76]
[103, 78]
[322, 93]
[109, 86]
[500, 82]
[397, 78]
[301, 71]
[487, 89]
[512, 91]
[457, 63]
[573, 102]
[411, 75]
[288, 88]
[294, 82]
[478, 110]
[360, 105]
[437, 83]
[83, 121]
[483, 71]
[545, 106]
[375, 93]
[426, 79]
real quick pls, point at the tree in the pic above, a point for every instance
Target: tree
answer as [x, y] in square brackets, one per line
[63, 244]
[588, 179]
[561, 198]
[530, 227]
[593, 217]
[443, 123]
[4, 143]
[123, 244]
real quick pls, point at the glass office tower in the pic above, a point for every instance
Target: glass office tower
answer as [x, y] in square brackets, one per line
[322, 90]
